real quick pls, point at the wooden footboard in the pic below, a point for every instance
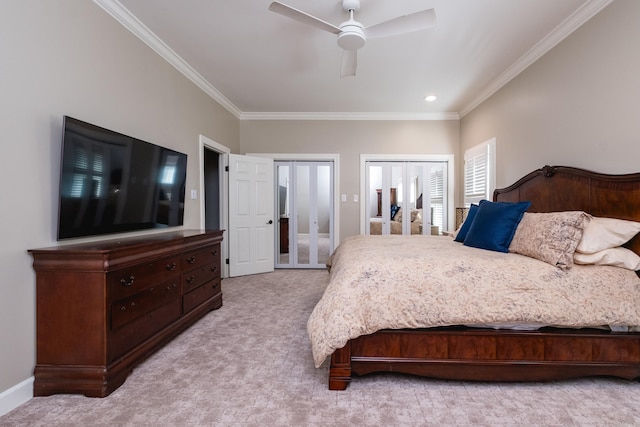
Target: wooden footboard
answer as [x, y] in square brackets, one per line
[489, 355]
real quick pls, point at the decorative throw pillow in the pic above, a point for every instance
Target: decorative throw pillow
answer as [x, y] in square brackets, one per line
[397, 216]
[464, 228]
[606, 233]
[495, 224]
[394, 211]
[416, 215]
[618, 257]
[550, 237]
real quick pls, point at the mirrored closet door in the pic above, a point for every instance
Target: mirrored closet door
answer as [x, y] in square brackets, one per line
[406, 197]
[305, 213]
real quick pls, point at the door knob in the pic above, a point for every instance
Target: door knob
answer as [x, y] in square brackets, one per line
[270, 221]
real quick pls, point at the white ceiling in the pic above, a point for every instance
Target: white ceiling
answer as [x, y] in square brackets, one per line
[259, 64]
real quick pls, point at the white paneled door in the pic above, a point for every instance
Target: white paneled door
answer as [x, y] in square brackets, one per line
[251, 215]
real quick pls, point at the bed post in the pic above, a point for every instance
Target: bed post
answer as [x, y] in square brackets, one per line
[340, 368]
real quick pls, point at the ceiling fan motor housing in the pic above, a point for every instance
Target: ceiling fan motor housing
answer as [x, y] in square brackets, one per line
[351, 36]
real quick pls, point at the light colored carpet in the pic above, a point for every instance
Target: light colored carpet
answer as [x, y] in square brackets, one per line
[249, 364]
[303, 251]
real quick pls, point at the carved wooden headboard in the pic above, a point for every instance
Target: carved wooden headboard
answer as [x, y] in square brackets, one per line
[563, 188]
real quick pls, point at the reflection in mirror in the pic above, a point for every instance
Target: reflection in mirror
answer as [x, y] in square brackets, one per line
[323, 210]
[283, 181]
[302, 231]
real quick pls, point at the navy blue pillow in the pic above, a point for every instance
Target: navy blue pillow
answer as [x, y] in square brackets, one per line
[394, 210]
[495, 224]
[462, 233]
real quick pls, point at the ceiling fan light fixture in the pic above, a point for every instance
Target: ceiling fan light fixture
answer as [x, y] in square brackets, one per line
[351, 36]
[430, 98]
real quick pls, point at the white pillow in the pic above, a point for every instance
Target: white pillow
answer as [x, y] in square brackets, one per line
[618, 257]
[605, 233]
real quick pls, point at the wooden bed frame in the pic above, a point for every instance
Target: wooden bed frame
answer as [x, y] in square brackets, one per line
[462, 353]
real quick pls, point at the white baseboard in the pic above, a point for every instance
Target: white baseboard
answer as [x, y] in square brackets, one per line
[20, 393]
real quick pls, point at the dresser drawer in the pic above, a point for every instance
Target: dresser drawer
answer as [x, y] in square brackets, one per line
[194, 278]
[129, 281]
[199, 295]
[125, 310]
[143, 328]
[209, 256]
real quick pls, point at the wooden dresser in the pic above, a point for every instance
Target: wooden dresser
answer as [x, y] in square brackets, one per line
[103, 307]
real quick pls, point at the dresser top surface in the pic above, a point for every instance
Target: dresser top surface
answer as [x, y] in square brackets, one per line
[115, 244]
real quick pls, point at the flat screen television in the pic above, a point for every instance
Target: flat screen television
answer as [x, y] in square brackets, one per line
[113, 183]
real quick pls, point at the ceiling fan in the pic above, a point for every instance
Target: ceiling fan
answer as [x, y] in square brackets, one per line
[352, 35]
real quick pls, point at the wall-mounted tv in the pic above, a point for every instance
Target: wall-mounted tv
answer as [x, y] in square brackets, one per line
[113, 183]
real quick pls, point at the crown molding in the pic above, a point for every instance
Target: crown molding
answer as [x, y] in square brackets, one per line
[133, 24]
[349, 116]
[562, 31]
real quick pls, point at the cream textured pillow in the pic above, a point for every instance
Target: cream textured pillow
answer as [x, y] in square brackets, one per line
[605, 233]
[618, 257]
[550, 237]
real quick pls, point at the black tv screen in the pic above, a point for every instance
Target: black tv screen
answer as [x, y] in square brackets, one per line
[113, 183]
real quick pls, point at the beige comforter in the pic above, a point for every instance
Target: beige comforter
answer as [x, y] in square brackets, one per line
[395, 282]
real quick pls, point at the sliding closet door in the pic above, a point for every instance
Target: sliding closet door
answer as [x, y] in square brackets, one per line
[305, 205]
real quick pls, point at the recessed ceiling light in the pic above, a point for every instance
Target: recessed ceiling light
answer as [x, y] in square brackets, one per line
[430, 98]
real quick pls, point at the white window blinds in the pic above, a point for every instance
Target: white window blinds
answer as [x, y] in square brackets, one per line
[479, 172]
[437, 197]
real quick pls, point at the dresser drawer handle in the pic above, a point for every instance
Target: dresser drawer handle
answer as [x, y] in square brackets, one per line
[214, 268]
[191, 279]
[214, 252]
[172, 286]
[127, 282]
[191, 259]
[124, 307]
[171, 266]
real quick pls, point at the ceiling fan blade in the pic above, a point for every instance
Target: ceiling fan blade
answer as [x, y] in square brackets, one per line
[305, 18]
[403, 24]
[349, 63]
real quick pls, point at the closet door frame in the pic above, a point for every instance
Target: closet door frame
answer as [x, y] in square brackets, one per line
[447, 158]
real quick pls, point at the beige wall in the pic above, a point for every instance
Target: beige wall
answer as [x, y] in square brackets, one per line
[69, 57]
[579, 105]
[349, 139]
